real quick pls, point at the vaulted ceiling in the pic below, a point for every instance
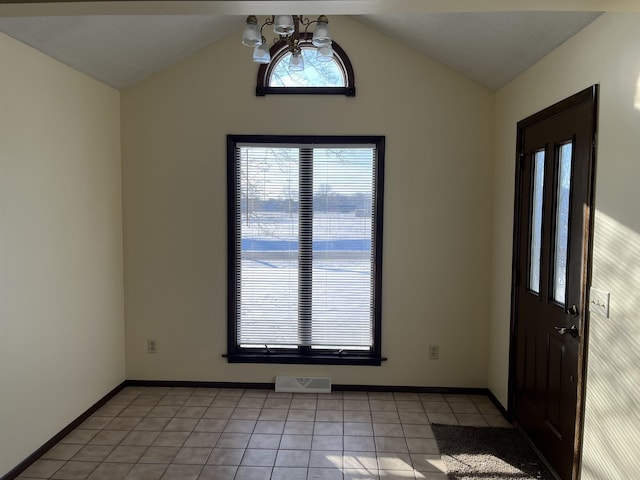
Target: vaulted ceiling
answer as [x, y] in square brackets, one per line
[120, 43]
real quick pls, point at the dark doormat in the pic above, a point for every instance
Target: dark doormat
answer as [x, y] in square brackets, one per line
[488, 453]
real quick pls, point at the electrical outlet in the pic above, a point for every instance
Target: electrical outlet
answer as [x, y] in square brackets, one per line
[599, 302]
[434, 352]
[152, 346]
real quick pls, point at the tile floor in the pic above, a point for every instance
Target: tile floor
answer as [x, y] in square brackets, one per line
[150, 433]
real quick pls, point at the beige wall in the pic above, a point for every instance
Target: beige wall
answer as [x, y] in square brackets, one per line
[439, 131]
[607, 52]
[61, 293]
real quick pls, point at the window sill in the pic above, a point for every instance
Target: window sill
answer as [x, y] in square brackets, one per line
[318, 359]
[346, 91]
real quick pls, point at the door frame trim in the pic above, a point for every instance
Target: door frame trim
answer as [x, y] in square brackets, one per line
[584, 96]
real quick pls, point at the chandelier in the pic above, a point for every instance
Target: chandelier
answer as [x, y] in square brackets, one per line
[288, 30]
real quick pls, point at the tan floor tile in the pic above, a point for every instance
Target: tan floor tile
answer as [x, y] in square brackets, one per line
[259, 457]
[264, 440]
[394, 461]
[95, 422]
[218, 472]
[215, 425]
[457, 398]
[110, 471]
[135, 411]
[471, 420]
[240, 426]
[75, 470]
[202, 439]
[360, 474]
[383, 405]
[289, 473]
[231, 392]
[62, 451]
[159, 455]
[149, 400]
[192, 455]
[171, 439]
[329, 415]
[443, 418]
[327, 442]
[292, 458]
[198, 401]
[278, 414]
[326, 459]
[93, 453]
[358, 416]
[226, 456]
[417, 418]
[296, 442]
[359, 444]
[424, 462]
[385, 417]
[388, 430]
[43, 468]
[125, 454]
[182, 472]
[497, 421]
[253, 473]
[463, 407]
[140, 438]
[269, 426]
[233, 440]
[391, 445]
[436, 407]
[422, 445]
[417, 431]
[142, 471]
[324, 474]
[108, 437]
[80, 436]
[150, 424]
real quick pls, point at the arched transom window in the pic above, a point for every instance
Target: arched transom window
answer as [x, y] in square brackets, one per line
[332, 76]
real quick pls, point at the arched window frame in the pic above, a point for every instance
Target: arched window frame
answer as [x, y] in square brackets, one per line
[280, 49]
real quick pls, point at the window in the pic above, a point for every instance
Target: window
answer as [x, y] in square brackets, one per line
[334, 77]
[305, 249]
[315, 74]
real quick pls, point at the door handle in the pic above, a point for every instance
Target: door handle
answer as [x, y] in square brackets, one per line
[572, 310]
[572, 330]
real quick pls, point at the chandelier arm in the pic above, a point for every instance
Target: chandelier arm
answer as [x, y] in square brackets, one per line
[307, 23]
[268, 21]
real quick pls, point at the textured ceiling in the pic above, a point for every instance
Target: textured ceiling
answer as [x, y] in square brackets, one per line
[119, 50]
[491, 48]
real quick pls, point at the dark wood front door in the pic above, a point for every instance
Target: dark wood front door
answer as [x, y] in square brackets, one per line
[552, 240]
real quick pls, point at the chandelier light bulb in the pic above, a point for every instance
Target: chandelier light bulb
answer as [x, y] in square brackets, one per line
[251, 33]
[296, 62]
[283, 25]
[261, 52]
[322, 34]
[324, 54]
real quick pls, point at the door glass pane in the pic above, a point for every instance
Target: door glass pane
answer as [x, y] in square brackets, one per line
[562, 223]
[536, 221]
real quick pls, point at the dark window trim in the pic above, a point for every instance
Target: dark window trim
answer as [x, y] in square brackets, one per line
[235, 354]
[279, 49]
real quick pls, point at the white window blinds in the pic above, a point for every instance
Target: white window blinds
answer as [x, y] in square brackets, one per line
[304, 244]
